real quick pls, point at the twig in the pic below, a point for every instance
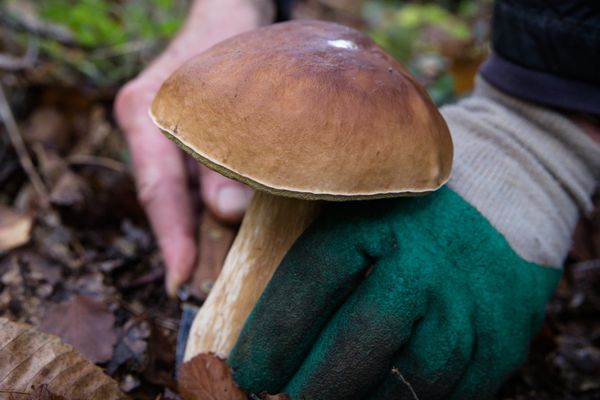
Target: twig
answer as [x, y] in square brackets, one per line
[19, 145]
[39, 28]
[11, 63]
[108, 163]
[135, 46]
[397, 372]
[167, 323]
[8, 391]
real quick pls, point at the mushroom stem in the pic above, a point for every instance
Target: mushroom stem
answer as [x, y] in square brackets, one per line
[270, 227]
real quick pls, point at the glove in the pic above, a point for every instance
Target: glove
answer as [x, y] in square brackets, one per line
[435, 296]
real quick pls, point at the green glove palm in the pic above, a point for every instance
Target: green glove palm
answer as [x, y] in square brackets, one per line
[381, 298]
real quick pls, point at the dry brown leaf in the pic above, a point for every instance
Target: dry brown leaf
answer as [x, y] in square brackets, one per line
[214, 243]
[51, 164]
[42, 392]
[57, 242]
[49, 127]
[208, 377]
[15, 228]
[29, 358]
[70, 191]
[84, 323]
[132, 346]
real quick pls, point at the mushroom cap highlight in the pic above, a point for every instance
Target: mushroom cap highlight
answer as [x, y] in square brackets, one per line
[307, 109]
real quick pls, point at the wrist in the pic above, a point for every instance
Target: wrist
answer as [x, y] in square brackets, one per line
[246, 13]
[528, 169]
[589, 124]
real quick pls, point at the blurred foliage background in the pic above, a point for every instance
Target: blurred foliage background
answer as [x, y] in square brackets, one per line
[102, 43]
[442, 42]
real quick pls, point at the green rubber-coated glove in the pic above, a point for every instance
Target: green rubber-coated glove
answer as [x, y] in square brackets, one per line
[429, 297]
[421, 289]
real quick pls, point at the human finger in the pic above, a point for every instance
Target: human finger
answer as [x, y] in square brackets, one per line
[161, 180]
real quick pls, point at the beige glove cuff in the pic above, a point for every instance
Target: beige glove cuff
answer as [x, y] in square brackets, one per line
[529, 170]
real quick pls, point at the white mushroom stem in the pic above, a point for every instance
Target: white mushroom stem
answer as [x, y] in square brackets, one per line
[270, 227]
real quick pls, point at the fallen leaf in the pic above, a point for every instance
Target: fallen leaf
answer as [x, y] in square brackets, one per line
[208, 377]
[22, 287]
[49, 127]
[42, 392]
[161, 355]
[214, 243]
[93, 284]
[131, 347]
[58, 243]
[70, 191]
[15, 229]
[168, 395]
[84, 323]
[51, 165]
[128, 383]
[30, 358]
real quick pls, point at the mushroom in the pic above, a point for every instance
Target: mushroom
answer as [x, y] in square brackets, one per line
[302, 112]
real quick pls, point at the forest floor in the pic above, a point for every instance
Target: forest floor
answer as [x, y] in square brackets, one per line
[90, 257]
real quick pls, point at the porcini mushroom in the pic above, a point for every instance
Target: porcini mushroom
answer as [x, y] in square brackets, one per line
[300, 111]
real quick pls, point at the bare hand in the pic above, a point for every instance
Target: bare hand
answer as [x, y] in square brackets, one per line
[158, 165]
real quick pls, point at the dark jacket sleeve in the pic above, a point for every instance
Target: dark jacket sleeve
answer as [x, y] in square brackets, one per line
[547, 51]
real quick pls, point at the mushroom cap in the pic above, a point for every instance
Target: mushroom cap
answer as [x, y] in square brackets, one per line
[307, 109]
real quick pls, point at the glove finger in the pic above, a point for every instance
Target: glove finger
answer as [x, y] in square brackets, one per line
[435, 358]
[317, 275]
[499, 350]
[356, 348]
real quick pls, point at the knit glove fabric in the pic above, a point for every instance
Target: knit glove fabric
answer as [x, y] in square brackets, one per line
[429, 297]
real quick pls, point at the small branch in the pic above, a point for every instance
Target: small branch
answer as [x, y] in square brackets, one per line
[122, 49]
[8, 391]
[39, 28]
[167, 323]
[397, 372]
[11, 63]
[104, 162]
[17, 141]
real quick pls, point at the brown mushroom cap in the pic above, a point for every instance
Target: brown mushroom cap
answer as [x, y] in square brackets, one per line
[307, 109]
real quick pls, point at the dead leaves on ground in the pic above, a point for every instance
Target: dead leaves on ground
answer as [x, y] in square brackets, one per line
[215, 240]
[565, 357]
[30, 358]
[208, 377]
[94, 241]
[42, 392]
[15, 229]
[84, 323]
